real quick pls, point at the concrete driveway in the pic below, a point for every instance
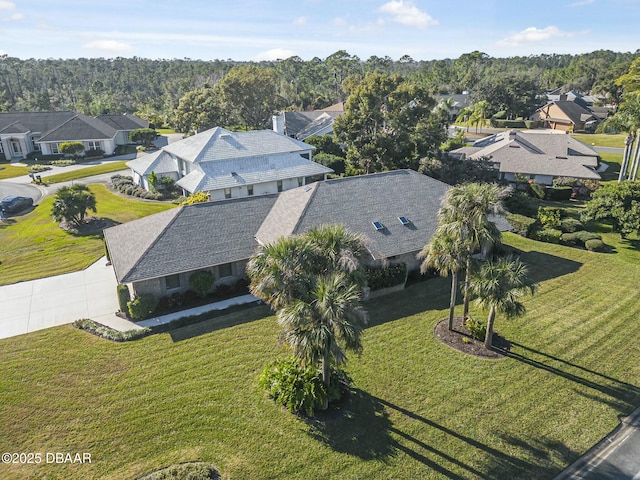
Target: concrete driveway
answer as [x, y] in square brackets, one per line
[49, 302]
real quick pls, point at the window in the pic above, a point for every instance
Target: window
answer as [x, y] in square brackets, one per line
[300, 181]
[225, 270]
[54, 148]
[227, 193]
[15, 146]
[279, 185]
[249, 189]
[172, 282]
[94, 145]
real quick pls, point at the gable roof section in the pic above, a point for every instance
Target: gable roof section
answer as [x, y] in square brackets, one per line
[187, 238]
[158, 162]
[220, 144]
[574, 112]
[80, 127]
[123, 121]
[37, 122]
[356, 202]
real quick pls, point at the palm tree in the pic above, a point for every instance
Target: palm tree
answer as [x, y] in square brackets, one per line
[314, 282]
[448, 257]
[500, 286]
[465, 217]
[325, 324]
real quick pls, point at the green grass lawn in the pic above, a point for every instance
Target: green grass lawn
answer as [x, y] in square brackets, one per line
[614, 160]
[86, 172]
[12, 171]
[420, 408]
[601, 139]
[33, 246]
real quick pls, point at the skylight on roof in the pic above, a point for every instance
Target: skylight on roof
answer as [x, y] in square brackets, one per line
[377, 225]
[404, 220]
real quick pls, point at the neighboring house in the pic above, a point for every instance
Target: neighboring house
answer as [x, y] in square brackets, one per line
[229, 164]
[567, 116]
[302, 125]
[24, 133]
[395, 212]
[454, 103]
[538, 156]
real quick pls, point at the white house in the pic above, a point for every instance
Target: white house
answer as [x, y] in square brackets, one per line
[229, 164]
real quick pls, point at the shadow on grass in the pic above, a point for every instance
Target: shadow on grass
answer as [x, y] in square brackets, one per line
[7, 222]
[624, 394]
[215, 320]
[544, 266]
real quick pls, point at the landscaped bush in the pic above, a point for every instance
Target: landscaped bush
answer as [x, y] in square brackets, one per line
[298, 388]
[537, 191]
[550, 217]
[390, 276]
[62, 163]
[37, 168]
[568, 239]
[93, 153]
[560, 193]
[110, 333]
[124, 297]
[201, 282]
[595, 245]
[549, 235]
[571, 225]
[185, 471]
[141, 307]
[583, 236]
[521, 203]
[521, 225]
[477, 328]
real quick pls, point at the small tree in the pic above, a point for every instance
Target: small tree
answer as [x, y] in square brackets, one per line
[71, 204]
[500, 285]
[202, 282]
[143, 136]
[153, 182]
[72, 148]
[617, 203]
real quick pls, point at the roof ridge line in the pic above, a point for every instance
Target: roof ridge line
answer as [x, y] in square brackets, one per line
[306, 205]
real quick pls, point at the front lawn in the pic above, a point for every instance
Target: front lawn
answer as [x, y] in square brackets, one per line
[12, 171]
[86, 172]
[33, 246]
[614, 160]
[601, 139]
[420, 409]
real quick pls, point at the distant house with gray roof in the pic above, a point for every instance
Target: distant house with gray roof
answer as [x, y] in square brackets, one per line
[395, 212]
[566, 115]
[229, 164]
[538, 156]
[24, 133]
[302, 125]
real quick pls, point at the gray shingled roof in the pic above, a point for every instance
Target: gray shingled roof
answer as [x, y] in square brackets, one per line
[220, 144]
[558, 155]
[158, 162]
[187, 238]
[79, 127]
[37, 122]
[356, 202]
[573, 111]
[123, 121]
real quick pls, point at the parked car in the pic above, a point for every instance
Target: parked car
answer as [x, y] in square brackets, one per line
[13, 204]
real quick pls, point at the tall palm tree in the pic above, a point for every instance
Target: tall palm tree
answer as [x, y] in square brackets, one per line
[445, 254]
[465, 217]
[326, 323]
[500, 286]
[314, 282]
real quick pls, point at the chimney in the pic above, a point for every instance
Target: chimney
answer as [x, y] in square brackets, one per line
[563, 97]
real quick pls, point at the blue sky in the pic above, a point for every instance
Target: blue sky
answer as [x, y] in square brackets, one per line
[266, 30]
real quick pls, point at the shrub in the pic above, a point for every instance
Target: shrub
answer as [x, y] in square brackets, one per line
[141, 307]
[300, 388]
[521, 203]
[583, 236]
[595, 245]
[571, 225]
[198, 197]
[37, 168]
[202, 282]
[124, 297]
[521, 225]
[94, 152]
[568, 239]
[560, 193]
[110, 333]
[62, 163]
[477, 328]
[549, 235]
[185, 471]
[537, 191]
[386, 277]
[550, 217]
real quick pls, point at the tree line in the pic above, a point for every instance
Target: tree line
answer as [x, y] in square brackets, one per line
[153, 89]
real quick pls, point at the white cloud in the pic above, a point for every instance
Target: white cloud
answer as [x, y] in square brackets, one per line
[15, 16]
[534, 35]
[275, 54]
[9, 8]
[406, 13]
[339, 22]
[110, 46]
[4, 5]
[300, 21]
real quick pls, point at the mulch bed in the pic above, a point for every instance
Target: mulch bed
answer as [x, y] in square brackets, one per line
[460, 339]
[91, 226]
